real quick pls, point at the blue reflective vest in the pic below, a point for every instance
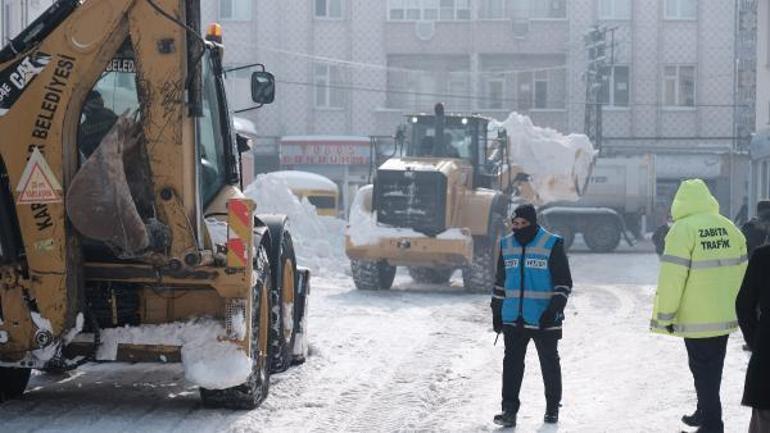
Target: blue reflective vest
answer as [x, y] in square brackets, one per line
[528, 286]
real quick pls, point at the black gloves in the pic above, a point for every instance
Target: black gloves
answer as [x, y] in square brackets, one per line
[497, 315]
[554, 312]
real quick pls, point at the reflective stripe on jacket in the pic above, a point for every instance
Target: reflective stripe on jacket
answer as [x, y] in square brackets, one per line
[528, 286]
[701, 268]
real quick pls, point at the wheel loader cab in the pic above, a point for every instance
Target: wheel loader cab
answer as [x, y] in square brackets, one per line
[460, 137]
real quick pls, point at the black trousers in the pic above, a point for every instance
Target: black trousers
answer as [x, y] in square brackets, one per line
[516, 341]
[707, 358]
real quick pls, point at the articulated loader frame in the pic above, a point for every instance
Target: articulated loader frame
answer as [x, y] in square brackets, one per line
[44, 275]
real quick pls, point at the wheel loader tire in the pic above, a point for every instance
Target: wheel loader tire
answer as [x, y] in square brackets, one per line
[251, 394]
[13, 382]
[602, 236]
[479, 276]
[284, 296]
[430, 275]
[566, 232]
[369, 275]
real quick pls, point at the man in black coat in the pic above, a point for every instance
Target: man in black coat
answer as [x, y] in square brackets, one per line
[757, 229]
[753, 309]
[532, 285]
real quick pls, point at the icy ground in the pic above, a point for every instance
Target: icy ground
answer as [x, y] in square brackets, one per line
[417, 358]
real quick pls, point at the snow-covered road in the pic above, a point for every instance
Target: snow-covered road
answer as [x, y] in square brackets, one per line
[417, 358]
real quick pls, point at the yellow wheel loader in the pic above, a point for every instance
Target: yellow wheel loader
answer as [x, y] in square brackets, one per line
[439, 203]
[124, 234]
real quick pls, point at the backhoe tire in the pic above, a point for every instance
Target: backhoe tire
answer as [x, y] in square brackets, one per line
[370, 275]
[251, 394]
[284, 294]
[431, 275]
[602, 236]
[13, 382]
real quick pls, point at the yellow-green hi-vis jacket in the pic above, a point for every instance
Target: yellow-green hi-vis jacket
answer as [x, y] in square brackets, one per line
[701, 268]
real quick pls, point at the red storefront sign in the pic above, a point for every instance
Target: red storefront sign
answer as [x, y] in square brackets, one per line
[324, 151]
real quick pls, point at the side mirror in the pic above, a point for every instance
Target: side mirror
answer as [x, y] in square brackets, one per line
[262, 87]
[243, 142]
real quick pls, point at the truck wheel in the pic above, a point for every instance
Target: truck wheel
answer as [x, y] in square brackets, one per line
[369, 275]
[602, 236]
[13, 382]
[252, 393]
[566, 232]
[283, 332]
[430, 275]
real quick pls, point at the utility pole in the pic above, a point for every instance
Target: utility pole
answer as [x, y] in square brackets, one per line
[596, 75]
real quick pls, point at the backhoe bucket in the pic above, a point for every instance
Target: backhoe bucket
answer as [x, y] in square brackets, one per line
[99, 201]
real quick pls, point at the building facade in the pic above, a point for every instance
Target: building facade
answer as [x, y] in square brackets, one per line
[348, 67]
[760, 146]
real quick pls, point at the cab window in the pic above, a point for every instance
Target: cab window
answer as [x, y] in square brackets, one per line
[114, 94]
[213, 171]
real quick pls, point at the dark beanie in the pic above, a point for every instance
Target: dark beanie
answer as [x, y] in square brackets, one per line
[763, 206]
[526, 211]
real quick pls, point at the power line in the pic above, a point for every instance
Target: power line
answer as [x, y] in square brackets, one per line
[482, 98]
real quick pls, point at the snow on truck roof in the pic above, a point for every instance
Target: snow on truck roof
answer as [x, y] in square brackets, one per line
[296, 179]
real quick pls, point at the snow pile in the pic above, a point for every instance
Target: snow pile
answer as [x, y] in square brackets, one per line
[207, 361]
[557, 163]
[364, 230]
[318, 241]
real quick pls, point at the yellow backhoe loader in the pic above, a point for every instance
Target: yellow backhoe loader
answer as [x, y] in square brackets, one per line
[124, 234]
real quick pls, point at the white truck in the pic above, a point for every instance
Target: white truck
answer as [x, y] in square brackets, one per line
[619, 197]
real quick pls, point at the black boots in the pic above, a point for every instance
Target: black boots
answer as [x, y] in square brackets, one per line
[506, 419]
[694, 420]
[551, 416]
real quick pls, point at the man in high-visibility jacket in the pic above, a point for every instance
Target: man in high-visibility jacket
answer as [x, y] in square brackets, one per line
[532, 285]
[700, 273]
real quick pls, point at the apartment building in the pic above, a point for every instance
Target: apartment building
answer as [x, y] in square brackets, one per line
[351, 67]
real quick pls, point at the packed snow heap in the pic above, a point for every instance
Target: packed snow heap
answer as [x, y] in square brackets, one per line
[318, 240]
[560, 165]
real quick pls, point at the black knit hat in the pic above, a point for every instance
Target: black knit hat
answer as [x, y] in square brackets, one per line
[526, 211]
[763, 206]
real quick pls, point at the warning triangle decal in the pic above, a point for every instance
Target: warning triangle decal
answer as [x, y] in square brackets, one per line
[38, 184]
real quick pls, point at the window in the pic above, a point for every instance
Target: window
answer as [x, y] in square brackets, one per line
[328, 8]
[553, 9]
[494, 91]
[212, 149]
[326, 80]
[493, 9]
[429, 10]
[541, 89]
[615, 87]
[114, 94]
[235, 10]
[681, 9]
[396, 10]
[679, 86]
[615, 9]
[457, 89]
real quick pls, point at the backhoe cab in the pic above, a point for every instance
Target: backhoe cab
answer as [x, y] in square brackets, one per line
[124, 234]
[438, 203]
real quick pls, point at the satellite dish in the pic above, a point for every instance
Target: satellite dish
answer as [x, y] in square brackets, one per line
[425, 30]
